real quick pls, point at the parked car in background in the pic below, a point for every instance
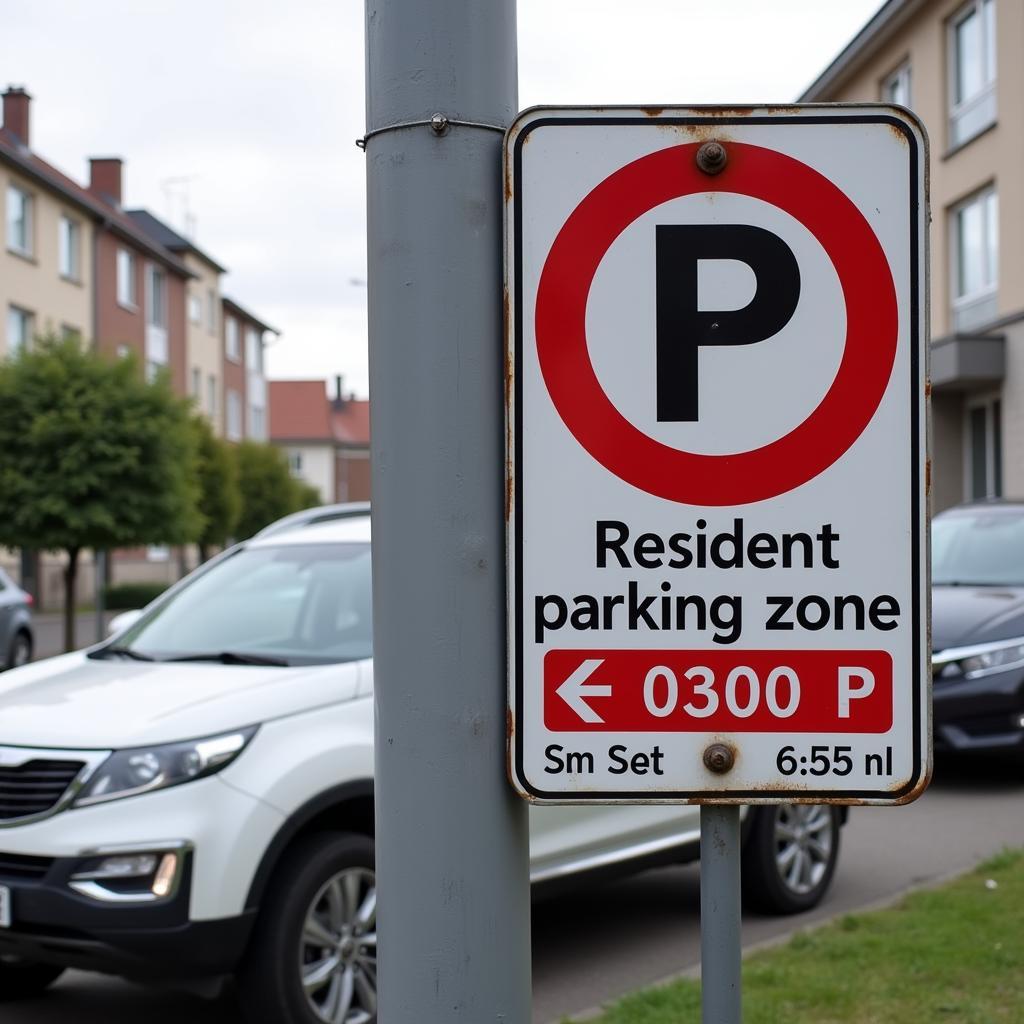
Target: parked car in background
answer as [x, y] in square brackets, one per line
[978, 627]
[16, 639]
[194, 797]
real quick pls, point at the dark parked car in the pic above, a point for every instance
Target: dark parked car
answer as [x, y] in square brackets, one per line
[978, 627]
[15, 624]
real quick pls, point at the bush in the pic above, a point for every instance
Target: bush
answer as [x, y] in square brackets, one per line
[120, 597]
[268, 490]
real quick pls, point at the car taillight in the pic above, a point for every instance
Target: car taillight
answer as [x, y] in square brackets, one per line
[30, 600]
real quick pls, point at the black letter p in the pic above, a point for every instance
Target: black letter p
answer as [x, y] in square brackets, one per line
[682, 329]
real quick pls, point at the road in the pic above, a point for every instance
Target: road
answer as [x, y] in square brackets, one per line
[606, 940]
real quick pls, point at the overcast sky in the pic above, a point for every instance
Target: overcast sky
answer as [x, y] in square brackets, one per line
[244, 113]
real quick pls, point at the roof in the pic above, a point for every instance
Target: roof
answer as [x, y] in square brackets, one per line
[14, 153]
[233, 307]
[316, 515]
[169, 238]
[351, 529]
[889, 17]
[350, 418]
[299, 411]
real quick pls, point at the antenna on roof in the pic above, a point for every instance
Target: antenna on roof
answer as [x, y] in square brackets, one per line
[177, 203]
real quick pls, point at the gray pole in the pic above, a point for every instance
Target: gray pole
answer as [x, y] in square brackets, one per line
[720, 914]
[452, 852]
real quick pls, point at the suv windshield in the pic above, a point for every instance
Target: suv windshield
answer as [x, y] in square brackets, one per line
[983, 547]
[291, 604]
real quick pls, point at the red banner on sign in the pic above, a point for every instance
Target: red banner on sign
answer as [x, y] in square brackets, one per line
[718, 691]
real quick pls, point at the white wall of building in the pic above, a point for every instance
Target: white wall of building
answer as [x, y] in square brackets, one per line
[315, 464]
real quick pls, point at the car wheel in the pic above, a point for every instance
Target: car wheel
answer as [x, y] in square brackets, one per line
[20, 652]
[313, 956]
[20, 979]
[790, 856]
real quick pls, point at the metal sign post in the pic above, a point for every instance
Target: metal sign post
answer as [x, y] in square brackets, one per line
[718, 571]
[720, 912]
[452, 862]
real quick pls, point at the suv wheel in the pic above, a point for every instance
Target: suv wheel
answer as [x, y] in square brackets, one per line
[790, 856]
[20, 979]
[313, 956]
[21, 650]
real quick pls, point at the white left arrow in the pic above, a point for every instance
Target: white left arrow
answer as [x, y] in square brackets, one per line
[575, 688]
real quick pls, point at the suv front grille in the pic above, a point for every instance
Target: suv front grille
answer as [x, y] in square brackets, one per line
[18, 866]
[35, 787]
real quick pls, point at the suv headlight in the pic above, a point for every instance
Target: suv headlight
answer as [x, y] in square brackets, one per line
[980, 660]
[144, 769]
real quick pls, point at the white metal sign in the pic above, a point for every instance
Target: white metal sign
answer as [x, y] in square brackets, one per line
[717, 455]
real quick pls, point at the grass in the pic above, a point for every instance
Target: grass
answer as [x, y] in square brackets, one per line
[951, 954]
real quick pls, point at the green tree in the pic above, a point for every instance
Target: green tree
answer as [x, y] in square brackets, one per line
[91, 456]
[220, 500]
[268, 489]
[306, 496]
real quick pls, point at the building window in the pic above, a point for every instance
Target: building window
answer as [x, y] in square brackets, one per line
[257, 423]
[19, 329]
[253, 351]
[156, 306]
[195, 309]
[231, 340]
[257, 415]
[974, 234]
[68, 233]
[19, 221]
[211, 311]
[234, 428]
[972, 70]
[158, 553]
[896, 87]
[295, 463]
[197, 382]
[984, 450]
[211, 395]
[127, 292]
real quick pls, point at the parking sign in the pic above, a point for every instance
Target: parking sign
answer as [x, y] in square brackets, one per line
[718, 455]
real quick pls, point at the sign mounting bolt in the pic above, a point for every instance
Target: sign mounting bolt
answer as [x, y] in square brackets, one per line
[439, 124]
[719, 758]
[712, 157]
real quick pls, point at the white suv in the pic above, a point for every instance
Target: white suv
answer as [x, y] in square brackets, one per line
[194, 798]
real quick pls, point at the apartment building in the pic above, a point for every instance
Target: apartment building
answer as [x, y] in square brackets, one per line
[959, 65]
[77, 263]
[46, 263]
[140, 285]
[204, 354]
[245, 382]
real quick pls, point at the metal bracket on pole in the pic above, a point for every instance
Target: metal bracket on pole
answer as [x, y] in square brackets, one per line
[437, 123]
[720, 906]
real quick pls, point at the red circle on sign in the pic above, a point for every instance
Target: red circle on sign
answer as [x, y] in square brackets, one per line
[689, 477]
